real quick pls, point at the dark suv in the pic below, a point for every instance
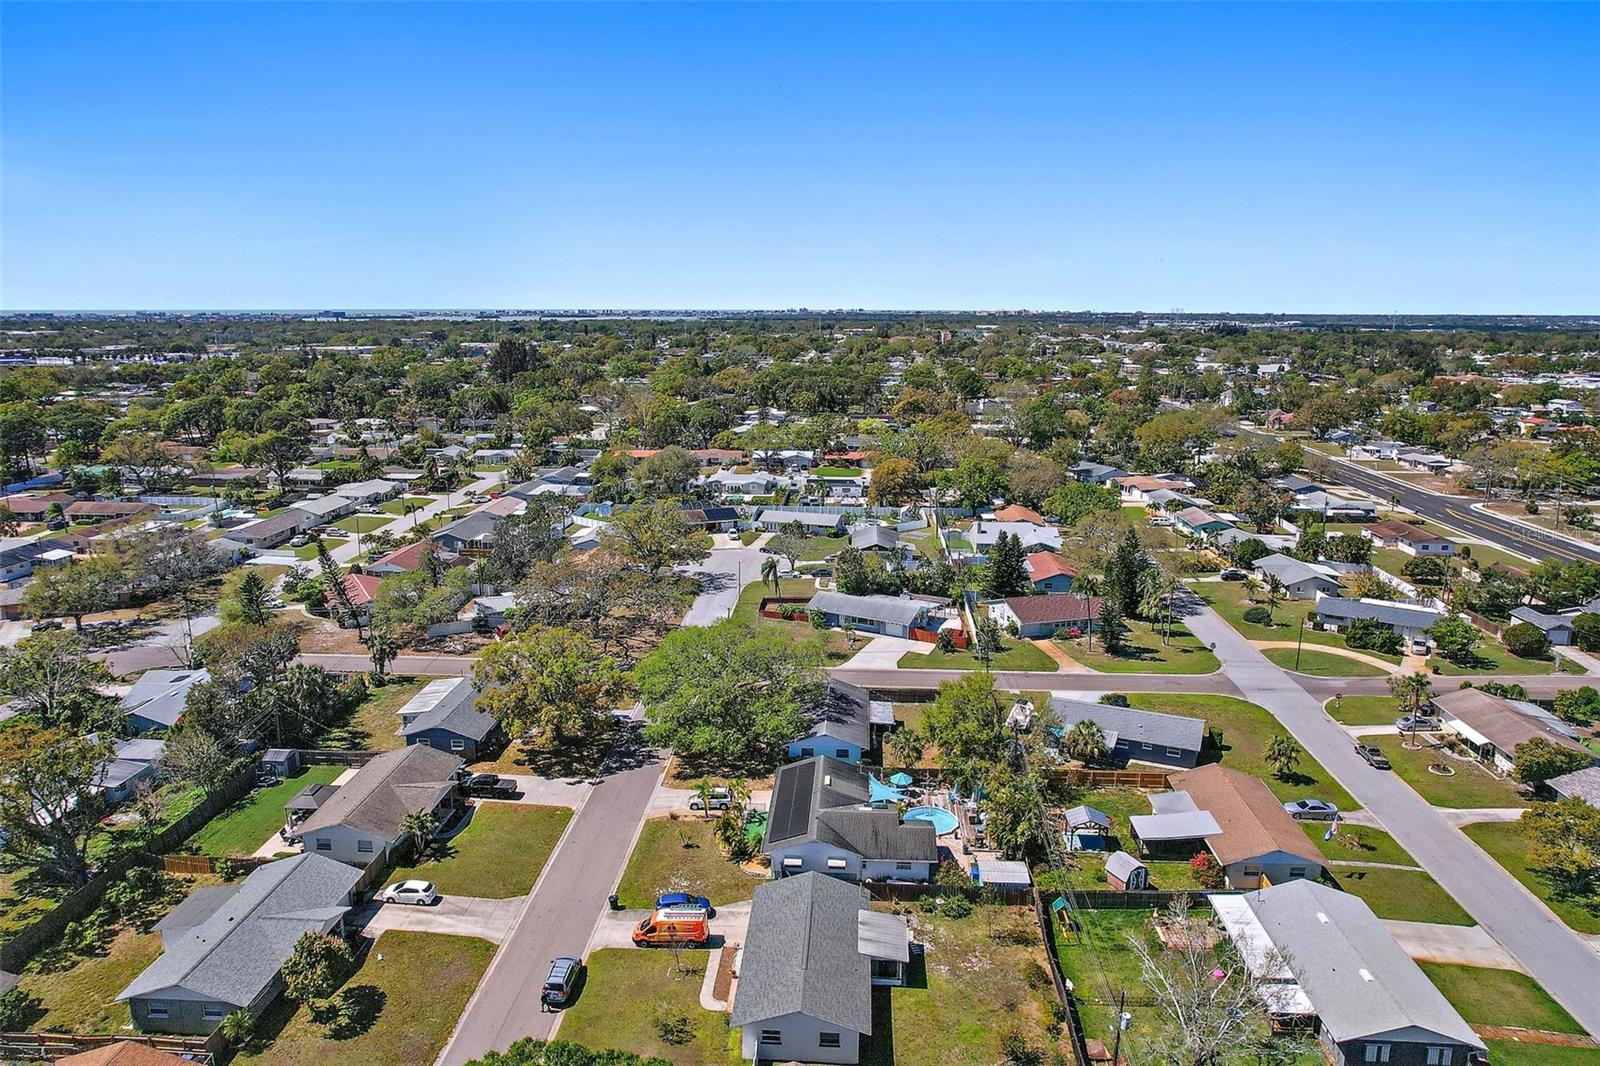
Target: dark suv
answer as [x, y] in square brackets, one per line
[562, 983]
[1374, 756]
[489, 786]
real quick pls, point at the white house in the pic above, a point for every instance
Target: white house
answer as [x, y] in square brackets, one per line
[365, 819]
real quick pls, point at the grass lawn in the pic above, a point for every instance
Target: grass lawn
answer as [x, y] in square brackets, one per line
[1358, 843]
[1322, 663]
[398, 505]
[1102, 939]
[362, 523]
[23, 899]
[837, 644]
[1499, 997]
[401, 1018]
[816, 549]
[309, 551]
[1144, 652]
[749, 537]
[1470, 786]
[80, 996]
[1364, 710]
[837, 471]
[249, 823]
[498, 855]
[972, 985]
[371, 726]
[1229, 600]
[1491, 657]
[626, 989]
[1246, 728]
[1015, 654]
[1505, 842]
[1401, 895]
[682, 855]
[1515, 1053]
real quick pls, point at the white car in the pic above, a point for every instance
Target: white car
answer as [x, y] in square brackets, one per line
[420, 893]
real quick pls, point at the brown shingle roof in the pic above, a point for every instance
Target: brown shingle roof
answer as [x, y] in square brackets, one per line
[122, 1053]
[1500, 723]
[1253, 820]
[1060, 607]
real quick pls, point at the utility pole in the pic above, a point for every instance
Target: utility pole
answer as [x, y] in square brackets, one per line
[1299, 639]
[1122, 1025]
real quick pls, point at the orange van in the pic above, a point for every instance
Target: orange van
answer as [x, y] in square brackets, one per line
[676, 925]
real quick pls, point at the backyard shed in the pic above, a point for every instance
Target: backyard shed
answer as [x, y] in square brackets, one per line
[1002, 873]
[1126, 873]
[285, 762]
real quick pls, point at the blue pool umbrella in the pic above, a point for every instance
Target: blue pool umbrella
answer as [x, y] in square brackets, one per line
[902, 779]
[878, 792]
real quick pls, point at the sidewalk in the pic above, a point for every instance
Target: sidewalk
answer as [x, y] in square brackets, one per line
[883, 653]
[1590, 663]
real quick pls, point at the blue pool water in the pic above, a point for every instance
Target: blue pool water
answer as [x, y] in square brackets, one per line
[943, 820]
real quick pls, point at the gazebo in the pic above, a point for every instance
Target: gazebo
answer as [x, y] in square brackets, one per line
[1087, 829]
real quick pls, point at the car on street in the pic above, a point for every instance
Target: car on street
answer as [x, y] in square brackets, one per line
[415, 892]
[721, 800]
[1161, 520]
[1374, 755]
[685, 901]
[562, 982]
[300, 541]
[489, 786]
[1312, 810]
[1420, 723]
[1232, 574]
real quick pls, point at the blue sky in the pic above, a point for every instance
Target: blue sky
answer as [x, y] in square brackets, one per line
[1365, 157]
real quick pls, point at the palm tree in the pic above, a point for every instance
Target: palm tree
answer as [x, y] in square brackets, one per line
[769, 572]
[1085, 741]
[1252, 588]
[1088, 587]
[1282, 753]
[420, 827]
[1156, 588]
[1411, 692]
[1274, 593]
[702, 790]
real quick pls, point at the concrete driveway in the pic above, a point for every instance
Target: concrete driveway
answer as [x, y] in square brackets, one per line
[615, 928]
[545, 791]
[723, 573]
[490, 919]
[883, 653]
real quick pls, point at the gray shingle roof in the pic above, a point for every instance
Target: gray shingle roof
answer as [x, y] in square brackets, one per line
[1545, 622]
[161, 695]
[1395, 614]
[892, 609]
[773, 515]
[1358, 978]
[878, 834]
[1290, 571]
[801, 955]
[380, 795]
[801, 789]
[864, 537]
[449, 704]
[235, 950]
[1132, 724]
[841, 712]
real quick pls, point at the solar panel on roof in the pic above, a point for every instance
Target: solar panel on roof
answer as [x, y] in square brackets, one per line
[791, 802]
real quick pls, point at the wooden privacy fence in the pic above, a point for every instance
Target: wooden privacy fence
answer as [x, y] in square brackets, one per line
[335, 757]
[904, 891]
[1109, 899]
[1074, 1024]
[48, 1047]
[205, 864]
[1083, 775]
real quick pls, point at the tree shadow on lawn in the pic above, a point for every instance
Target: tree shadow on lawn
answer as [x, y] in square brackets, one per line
[1582, 895]
[353, 1011]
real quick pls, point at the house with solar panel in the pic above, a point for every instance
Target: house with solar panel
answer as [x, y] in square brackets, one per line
[814, 951]
[832, 817]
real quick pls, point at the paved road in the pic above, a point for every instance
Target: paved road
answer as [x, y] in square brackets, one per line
[1567, 968]
[723, 574]
[347, 552]
[405, 665]
[1031, 680]
[1538, 687]
[565, 906]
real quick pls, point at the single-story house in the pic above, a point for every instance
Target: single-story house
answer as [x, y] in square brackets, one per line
[1493, 726]
[1133, 734]
[362, 589]
[1138, 489]
[93, 512]
[1557, 628]
[730, 483]
[1168, 500]
[20, 558]
[882, 539]
[132, 762]
[1224, 539]
[1301, 580]
[1328, 506]
[366, 818]
[1376, 449]
[813, 523]
[1048, 572]
[36, 508]
[445, 715]
[1041, 616]
[1403, 536]
[1584, 784]
[471, 534]
[712, 519]
[157, 699]
[784, 458]
[1015, 512]
[814, 950]
[405, 560]
[271, 532]
[373, 491]
[1411, 621]
[1199, 522]
[1432, 462]
[985, 535]
[1095, 473]
[223, 948]
[894, 616]
[1258, 842]
[821, 819]
[1318, 951]
[320, 510]
[842, 722]
[124, 1053]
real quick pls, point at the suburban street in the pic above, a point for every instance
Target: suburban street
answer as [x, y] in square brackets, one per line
[724, 572]
[1567, 967]
[562, 911]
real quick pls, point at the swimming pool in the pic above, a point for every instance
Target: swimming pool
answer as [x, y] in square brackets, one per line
[943, 821]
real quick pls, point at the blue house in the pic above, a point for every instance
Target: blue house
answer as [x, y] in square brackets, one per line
[445, 715]
[842, 721]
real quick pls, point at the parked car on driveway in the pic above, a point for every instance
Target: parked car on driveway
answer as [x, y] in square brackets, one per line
[562, 983]
[685, 901]
[1374, 756]
[489, 786]
[417, 893]
[1421, 723]
[1312, 810]
[721, 800]
[1232, 574]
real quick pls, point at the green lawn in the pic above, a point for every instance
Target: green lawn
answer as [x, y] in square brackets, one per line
[398, 505]
[626, 990]
[371, 726]
[836, 643]
[1015, 654]
[816, 549]
[1321, 663]
[498, 855]
[249, 823]
[1506, 843]
[362, 523]
[1364, 710]
[1230, 601]
[1491, 657]
[80, 995]
[309, 551]
[751, 595]
[1470, 786]
[1401, 895]
[1098, 958]
[1246, 728]
[837, 471]
[749, 537]
[1515, 1053]
[1358, 843]
[681, 855]
[23, 899]
[402, 1018]
[1499, 997]
[1146, 653]
[970, 988]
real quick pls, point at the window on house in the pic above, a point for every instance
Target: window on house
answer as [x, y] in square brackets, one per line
[1297, 871]
[457, 744]
[841, 753]
[156, 1010]
[1148, 747]
[324, 844]
[806, 753]
[827, 1039]
[1438, 1056]
[1252, 871]
[364, 846]
[1174, 753]
[1377, 1053]
[837, 864]
[771, 1036]
[214, 1014]
[903, 865]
